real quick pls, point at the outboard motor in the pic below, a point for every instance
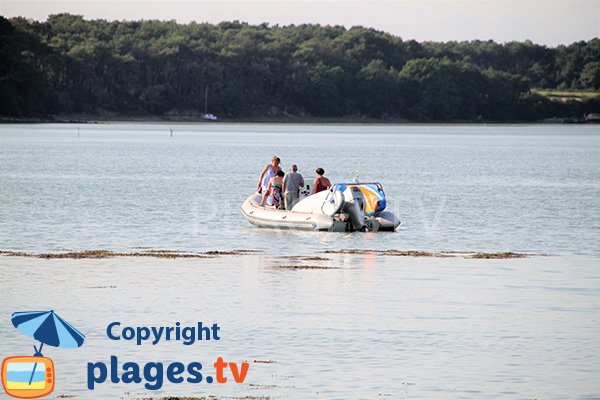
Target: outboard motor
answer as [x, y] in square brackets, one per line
[354, 206]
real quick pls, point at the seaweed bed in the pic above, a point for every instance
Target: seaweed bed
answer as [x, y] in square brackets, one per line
[148, 252]
[297, 267]
[418, 253]
[144, 253]
[306, 258]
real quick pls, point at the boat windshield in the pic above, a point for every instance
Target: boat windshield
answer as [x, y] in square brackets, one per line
[372, 191]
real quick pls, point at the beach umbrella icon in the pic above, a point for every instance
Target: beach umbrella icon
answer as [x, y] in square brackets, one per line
[48, 328]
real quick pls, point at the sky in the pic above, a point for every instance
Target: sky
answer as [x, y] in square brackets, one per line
[541, 21]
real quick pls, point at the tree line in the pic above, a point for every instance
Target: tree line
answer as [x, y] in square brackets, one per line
[71, 65]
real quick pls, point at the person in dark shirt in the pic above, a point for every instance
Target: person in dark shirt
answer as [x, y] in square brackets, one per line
[321, 183]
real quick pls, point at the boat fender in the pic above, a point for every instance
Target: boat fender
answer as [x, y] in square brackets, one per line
[333, 203]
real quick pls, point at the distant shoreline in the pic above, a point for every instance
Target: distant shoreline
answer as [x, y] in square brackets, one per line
[101, 119]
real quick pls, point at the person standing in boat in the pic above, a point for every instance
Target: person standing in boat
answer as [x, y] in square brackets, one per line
[292, 182]
[273, 191]
[267, 173]
[321, 183]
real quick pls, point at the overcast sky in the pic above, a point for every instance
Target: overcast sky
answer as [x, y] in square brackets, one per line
[541, 21]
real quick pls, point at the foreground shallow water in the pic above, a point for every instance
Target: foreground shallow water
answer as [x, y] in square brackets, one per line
[369, 327]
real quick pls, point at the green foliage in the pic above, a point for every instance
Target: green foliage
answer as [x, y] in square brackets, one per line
[590, 76]
[72, 65]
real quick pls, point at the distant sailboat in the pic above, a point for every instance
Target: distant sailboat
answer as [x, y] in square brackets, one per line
[206, 115]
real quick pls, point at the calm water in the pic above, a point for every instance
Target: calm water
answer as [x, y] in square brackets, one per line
[117, 186]
[370, 327]
[400, 328]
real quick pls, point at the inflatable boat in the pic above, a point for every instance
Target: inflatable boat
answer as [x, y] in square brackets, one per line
[346, 207]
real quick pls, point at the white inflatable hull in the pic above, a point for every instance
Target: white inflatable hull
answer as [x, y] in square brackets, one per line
[266, 217]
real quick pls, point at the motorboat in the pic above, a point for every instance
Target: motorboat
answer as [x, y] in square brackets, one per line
[345, 207]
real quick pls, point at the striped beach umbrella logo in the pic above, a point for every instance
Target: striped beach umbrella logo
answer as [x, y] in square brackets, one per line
[48, 328]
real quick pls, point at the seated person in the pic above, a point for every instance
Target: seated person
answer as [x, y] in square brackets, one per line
[273, 192]
[321, 183]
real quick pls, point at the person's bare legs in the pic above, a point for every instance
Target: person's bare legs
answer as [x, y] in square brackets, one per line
[262, 199]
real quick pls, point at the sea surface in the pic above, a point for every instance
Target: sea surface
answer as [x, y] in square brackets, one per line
[345, 326]
[118, 186]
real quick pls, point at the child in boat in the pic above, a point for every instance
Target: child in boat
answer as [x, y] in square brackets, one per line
[274, 190]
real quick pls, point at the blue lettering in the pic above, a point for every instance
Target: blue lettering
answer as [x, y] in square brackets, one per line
[128, 333]
[109, 330]
[91, 375]
[158, 377]
[189, 335]
[168, 332]
[173, 370]
[157, 334]
[194, 370]
[131, 373]
[143, 333]
[114, 369]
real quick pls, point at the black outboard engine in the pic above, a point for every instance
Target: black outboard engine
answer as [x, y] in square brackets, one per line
[354, 206]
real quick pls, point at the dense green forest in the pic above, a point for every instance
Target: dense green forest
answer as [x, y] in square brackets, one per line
[155, 68]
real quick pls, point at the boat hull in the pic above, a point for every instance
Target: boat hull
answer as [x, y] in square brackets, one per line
[388, 222]
[264, 217]
[282, 219]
